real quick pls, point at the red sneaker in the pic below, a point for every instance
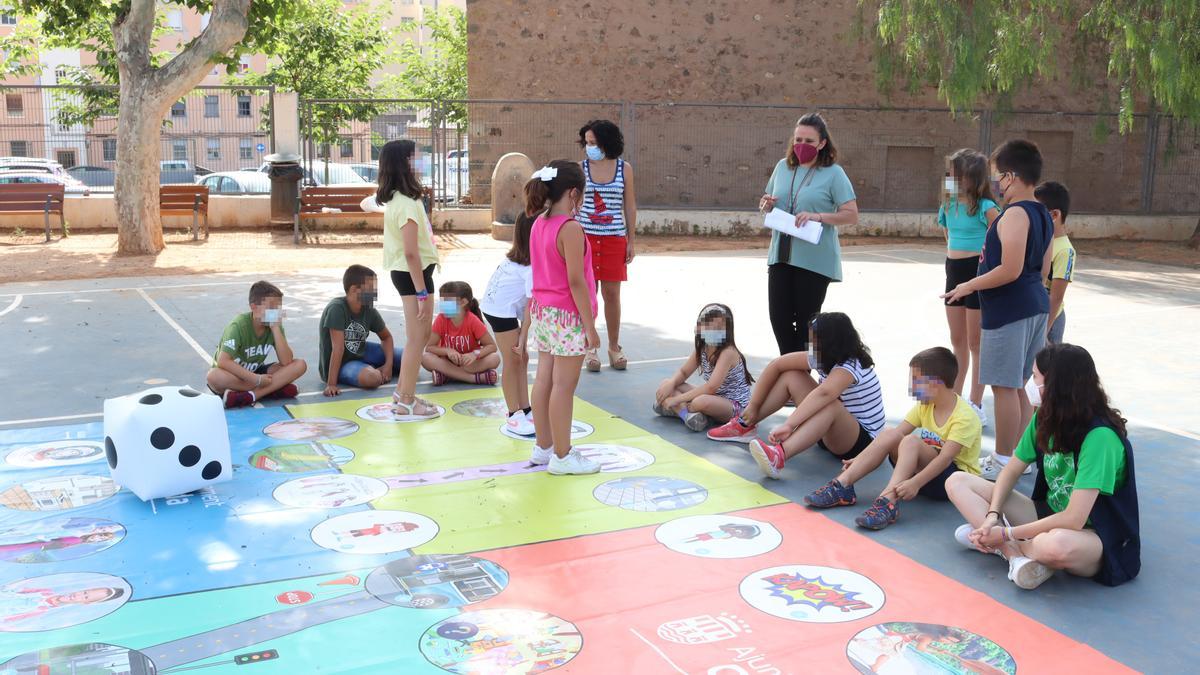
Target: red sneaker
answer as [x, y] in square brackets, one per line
[770, 458]
[733, 431]
[286, 391]
[238, 399]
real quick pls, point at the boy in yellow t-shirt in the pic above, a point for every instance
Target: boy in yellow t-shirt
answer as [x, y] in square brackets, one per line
[947, 439]
[1055, 197]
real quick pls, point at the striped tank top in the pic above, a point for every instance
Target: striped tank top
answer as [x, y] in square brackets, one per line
[603, 211]
[863, 398]
[735, 387]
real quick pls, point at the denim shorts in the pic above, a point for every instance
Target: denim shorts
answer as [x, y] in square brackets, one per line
[1006, 353]
[372, 356]
[1058, 329]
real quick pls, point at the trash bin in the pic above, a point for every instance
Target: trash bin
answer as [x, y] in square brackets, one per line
[285, 174]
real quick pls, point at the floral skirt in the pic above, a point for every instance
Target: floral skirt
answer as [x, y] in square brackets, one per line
[556, 331]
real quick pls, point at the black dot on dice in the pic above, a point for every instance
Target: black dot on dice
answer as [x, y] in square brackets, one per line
[190, 393]
[110, 450]
[150, 399]
[189, 455]
[162, 438]
[211, 470]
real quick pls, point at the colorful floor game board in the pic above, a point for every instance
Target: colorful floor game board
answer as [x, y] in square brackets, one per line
[347, 542]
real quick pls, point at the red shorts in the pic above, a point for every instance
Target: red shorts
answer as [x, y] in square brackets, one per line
[608, 257]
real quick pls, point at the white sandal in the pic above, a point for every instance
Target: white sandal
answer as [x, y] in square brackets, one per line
[591, 361]
[402, 410]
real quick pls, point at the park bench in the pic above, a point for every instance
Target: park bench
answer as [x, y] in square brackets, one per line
[345, 200]
[34, 199]
[185, 200]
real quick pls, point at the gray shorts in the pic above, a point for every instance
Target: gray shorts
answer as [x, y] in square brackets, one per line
[1006, 353]
[1058, 329]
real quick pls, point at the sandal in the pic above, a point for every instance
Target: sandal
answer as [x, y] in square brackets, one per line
[402, 410]
[591, 361]
[617, 360]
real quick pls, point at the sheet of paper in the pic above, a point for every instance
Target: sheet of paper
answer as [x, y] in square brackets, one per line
[782, 221]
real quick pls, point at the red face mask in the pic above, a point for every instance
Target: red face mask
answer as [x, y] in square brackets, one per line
[805, 152]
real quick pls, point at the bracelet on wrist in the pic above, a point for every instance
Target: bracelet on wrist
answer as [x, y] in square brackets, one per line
[991, 512]
[421, 295]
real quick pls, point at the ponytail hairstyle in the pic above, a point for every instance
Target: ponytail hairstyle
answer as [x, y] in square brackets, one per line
[969, 168]
[1072, 398]
[396, 172]
[835, 341]
[519, 253]
[718, 311]
[540, 194]
[461, 290]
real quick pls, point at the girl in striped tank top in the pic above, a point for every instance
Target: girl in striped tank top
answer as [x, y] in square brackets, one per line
[726, 388]
[609, 219]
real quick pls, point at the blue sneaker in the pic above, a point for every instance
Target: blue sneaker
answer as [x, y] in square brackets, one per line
[881, 514]
[831, 494]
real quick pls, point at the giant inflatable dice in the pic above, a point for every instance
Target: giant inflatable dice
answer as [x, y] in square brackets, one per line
[166, 441]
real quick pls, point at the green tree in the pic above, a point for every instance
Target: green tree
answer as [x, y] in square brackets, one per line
[437, 70]
[1146, 52]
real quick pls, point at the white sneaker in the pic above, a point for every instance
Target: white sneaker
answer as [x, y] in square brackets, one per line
[521, 424]
[540, 456]
[1028, 573]
[961, 535]
[983, 420]
[696, 421]
[990, 469]
[573, 463]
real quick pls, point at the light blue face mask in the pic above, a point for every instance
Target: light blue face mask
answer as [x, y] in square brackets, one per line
[272, 316]
[594, 153]
[715, 338]
[448, 307]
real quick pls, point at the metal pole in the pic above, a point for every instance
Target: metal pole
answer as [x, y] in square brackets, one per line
[1150, 162]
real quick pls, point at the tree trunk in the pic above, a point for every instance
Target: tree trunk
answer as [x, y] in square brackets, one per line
[139, 125]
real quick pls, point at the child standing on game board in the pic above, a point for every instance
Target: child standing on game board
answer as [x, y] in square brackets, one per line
[947, 439]
[562, 312]
[505, 300]
[347, 357]
[253, 360]
[460, 347]
[726, 389]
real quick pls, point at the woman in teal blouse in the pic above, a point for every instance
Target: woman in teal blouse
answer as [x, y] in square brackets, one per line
[809, 184]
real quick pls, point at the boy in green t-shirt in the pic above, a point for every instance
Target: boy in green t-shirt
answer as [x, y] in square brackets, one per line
[347, 358]
[253, 359]
[948, 439]
[1055, 197]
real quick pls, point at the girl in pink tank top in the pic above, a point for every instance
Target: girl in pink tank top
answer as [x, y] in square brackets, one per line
[562, 312]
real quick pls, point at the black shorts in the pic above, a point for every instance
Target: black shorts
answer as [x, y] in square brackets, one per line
[958, 271]
[935, 488]
[502, 324]
[864, 439]
[403, 281]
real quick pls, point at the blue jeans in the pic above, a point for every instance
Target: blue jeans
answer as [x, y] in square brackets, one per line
[372, 356]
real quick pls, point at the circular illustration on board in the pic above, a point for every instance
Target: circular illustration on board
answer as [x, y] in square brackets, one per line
[86, 657]
[56, 453]
[311, 429]
[301, 457]
[650, 493]
[719, 536]
[616, 458]
[330, 491]
[385, 413]
[374, 531]
[508, 641]
[578, 430]
[58, 493]
[926, 648]
[482, 407]
[812, 593]
[59, 601]
[437, 581]
[58, 538]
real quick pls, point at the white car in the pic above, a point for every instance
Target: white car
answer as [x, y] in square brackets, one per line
[73, 185]
[236, 183]
[338, 174]
[32, 164]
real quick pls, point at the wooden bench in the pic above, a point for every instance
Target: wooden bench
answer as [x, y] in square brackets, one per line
[185, 200]
[345, 200]
[34, 199]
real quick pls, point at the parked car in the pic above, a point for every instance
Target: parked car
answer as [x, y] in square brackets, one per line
[73, 185]
[338, 174]
[236, 183]
[369, 172]
[94, 176]
[176, 171]
[31, 164]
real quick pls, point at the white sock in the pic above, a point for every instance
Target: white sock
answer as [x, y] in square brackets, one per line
[1002, 460]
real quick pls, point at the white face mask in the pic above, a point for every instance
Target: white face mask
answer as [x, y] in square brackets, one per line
[1034, 392]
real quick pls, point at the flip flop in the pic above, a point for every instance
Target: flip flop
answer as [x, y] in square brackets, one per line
[617, 360]
[591, 361]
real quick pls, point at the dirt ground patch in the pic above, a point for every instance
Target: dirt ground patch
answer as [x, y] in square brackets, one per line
[86, 256]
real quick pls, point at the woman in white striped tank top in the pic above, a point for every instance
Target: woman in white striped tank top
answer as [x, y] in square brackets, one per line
[609, 219]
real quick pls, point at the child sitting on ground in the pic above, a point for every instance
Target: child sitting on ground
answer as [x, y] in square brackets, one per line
[726, 388]
[253, 360]
[1055, 197]
[505, 306]
[948, 439]
[460, 347]
[347, 357]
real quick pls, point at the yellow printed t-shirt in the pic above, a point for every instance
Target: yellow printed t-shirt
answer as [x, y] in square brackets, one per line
[963, 428]
[1062, 266]
[397, 212]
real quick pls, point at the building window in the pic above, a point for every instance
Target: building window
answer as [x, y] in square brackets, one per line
[179, 150]
[179, 109]
[244, 64]
[110, 149]
[214, 149]
[65, 157]
[60, 75]
[243, 104]
[8, 19]
[204, 18]
[392, 130]
[212, 106]
[19, 148]
[175, 20]
[246, 148]
[347, 147]
[15, 103]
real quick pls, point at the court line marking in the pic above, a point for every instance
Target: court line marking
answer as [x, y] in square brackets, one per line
[16, 301]
[1148, 310]
[128, 288]
[658, 651]
[894, 257]
[178, 329]
[60, 418]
